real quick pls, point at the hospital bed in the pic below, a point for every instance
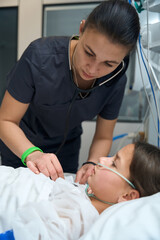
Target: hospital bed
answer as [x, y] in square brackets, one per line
[138, 219]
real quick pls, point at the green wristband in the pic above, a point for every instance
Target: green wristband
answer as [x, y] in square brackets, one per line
[27, 152]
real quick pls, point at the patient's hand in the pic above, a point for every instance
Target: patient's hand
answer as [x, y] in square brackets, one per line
[83, 173]
[46, 163]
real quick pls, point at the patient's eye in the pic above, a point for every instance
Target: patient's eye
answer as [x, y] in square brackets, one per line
[113, 163]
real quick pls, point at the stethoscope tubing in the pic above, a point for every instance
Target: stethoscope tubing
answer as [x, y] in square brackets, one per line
[67, 121]
[79, 90]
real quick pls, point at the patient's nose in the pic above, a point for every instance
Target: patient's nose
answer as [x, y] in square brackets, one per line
[103, 160]
[106, 160]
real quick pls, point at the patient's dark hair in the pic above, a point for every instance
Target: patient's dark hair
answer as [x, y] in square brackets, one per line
[145, 169]
[118, 20]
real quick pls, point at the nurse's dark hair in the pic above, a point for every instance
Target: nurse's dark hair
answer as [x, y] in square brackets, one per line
[118, 20]
[145, 169]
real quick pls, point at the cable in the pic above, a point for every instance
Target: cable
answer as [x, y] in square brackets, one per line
[67, 122]
[148, 33]
[154, 97]
[124, 136]
[147, 95]
[129, 135]
[145, 90]
[152, 70]
[151, 86]
[119, 136]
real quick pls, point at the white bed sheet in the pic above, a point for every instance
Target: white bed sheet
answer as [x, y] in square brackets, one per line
[56, 210]
[133, 220]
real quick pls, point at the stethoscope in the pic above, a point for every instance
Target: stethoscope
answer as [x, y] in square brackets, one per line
[115, 75]
[118, 70]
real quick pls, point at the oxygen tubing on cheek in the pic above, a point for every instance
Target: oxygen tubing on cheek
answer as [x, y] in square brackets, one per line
[114, 171]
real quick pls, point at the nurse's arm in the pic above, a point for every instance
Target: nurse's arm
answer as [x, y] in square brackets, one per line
[102, 140]
[100, 147]
[11, 113]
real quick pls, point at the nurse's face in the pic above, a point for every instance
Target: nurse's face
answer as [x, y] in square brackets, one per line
[96, 56]
[107, 185]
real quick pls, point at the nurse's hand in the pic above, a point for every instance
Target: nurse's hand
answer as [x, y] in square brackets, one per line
[84, 172]
[46, 163]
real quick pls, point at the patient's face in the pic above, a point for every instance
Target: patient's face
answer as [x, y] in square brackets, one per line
[107, 185]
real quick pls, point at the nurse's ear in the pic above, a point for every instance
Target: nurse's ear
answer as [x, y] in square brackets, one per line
[82, 23]
[130, 195]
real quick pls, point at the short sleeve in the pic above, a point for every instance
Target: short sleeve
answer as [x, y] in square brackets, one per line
[22, 78]
[112, 107]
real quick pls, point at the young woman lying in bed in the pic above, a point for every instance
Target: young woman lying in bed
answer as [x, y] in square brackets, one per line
[36, 207]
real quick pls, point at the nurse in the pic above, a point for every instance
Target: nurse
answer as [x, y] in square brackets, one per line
[48, 94]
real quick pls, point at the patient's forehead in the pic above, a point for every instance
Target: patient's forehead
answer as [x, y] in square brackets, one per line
[128, 148]
[127, 152]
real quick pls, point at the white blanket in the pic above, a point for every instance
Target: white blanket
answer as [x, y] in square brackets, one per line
[36, 207]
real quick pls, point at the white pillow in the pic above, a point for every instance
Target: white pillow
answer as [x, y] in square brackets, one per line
[137, 219]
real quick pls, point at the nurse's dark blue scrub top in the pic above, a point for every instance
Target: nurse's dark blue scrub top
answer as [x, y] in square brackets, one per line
[42, 78]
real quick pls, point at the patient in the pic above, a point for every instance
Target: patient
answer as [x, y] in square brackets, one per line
[139, 163]
[35, 207]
